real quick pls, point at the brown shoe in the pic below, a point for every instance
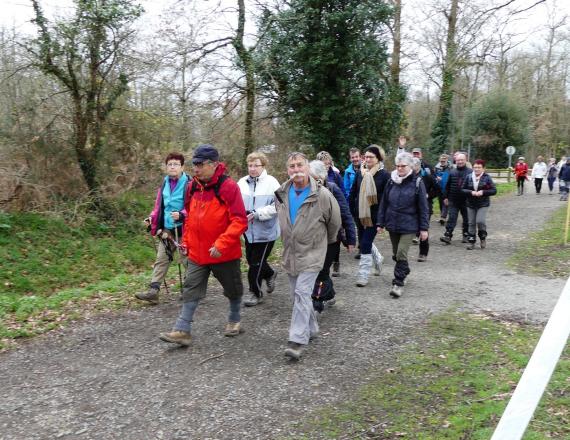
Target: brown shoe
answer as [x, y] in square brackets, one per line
[232, 329]
[177, 337]
[151, 295]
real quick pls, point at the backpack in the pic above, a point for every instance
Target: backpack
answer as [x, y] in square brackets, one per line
[216, 188]
[322, 291]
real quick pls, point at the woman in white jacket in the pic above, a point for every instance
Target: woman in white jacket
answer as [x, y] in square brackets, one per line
[257, 190]
[539, 170]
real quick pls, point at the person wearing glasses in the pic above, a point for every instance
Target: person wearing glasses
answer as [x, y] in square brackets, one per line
[365, 197]
[257, 190]
[167, 217]
[212, 236]
[403, 212]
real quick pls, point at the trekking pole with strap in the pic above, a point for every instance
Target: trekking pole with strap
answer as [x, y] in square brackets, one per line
[179, 257]
[156, 253]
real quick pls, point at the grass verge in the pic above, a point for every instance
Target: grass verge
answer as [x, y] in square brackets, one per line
[455, 386]
[546, 249]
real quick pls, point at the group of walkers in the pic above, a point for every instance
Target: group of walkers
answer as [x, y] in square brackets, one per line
[540, 171]
[201, 219]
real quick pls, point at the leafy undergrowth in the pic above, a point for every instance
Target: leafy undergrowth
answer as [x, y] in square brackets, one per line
[545, 249]
[455, 386]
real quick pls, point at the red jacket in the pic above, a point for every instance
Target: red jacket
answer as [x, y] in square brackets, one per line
[213, 223]
[521, 169]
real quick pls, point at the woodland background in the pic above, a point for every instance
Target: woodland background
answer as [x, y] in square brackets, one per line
[93, 95]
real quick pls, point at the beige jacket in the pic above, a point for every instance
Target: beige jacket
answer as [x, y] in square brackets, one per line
[317, 224]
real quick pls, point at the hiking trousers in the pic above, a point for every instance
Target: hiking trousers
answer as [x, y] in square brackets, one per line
[477, 223]
[400, 246]
[163, 261]
[303, 319]
[256, 255]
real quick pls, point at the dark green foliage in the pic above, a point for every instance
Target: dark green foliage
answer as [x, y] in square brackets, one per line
[495, 122]
[326, 65]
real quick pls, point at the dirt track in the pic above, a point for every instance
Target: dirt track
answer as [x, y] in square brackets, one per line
[111, 378]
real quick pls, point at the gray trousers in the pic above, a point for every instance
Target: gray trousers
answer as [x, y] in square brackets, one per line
[303, 320]
[477, 223]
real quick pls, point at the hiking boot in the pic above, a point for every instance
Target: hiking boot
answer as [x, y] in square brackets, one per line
[422, 258]
[442, 221]
[252, 299]
[470, 246]
[446, 239]
[396, 291]
[232, 329]
[357, 256]
[176, 337]
[415, 240]
[336, 269]
[483, 243]
[271, 282]
[294, 350]
[151, 295]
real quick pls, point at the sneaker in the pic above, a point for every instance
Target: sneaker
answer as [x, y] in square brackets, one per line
[362, 282]
[232, 329]
[271, 282]
[396, 291]
[330, 302]
[446, 239]
[483, 243]
[294, 350]
[415, 240]
[151, 295]
[422, 258]
[252, 299]
[465, 239]
[336, 269]
[470, 246]
[176, 337]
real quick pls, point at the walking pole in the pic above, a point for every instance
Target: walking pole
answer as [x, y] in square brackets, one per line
[567, 222]
[179, 256]
[156, 253]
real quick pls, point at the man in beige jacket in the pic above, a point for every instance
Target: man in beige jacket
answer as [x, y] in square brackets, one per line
[309, 217]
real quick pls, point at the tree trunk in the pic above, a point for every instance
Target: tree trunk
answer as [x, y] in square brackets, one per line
[442, 127]
[397, 37]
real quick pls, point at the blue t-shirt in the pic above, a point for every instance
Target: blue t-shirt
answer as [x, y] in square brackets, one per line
[296, 199]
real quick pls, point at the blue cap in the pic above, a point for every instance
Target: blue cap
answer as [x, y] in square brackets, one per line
[205, 152]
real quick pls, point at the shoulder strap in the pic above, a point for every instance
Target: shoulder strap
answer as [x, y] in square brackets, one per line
[216, 188]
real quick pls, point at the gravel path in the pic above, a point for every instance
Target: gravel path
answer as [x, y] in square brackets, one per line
[111, 378]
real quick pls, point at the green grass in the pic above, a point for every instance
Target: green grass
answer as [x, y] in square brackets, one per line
[546, 249]
[46, 262]
[453, 385]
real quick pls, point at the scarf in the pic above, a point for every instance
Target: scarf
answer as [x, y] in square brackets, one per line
[396, 178]
[476, 180]
[367, 195]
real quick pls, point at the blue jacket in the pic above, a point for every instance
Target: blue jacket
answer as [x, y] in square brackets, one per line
[404, 207]
[348, 180]
[334, 177]
[346, 216]
[443, 174]
[486, 184]
[564, 173]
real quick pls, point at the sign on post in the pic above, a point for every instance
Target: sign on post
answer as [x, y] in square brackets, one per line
[510, 151]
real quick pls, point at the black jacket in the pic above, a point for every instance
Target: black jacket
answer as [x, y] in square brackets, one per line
[486, 184]
[404, 207]
[380, 178]
[455, 184]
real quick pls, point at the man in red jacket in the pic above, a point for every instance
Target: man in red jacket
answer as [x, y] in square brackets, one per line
[216, 219]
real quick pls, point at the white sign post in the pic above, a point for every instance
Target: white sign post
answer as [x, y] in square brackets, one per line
[510, 151]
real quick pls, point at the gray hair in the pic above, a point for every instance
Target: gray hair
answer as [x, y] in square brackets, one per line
[407, 158]
[318, 170]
